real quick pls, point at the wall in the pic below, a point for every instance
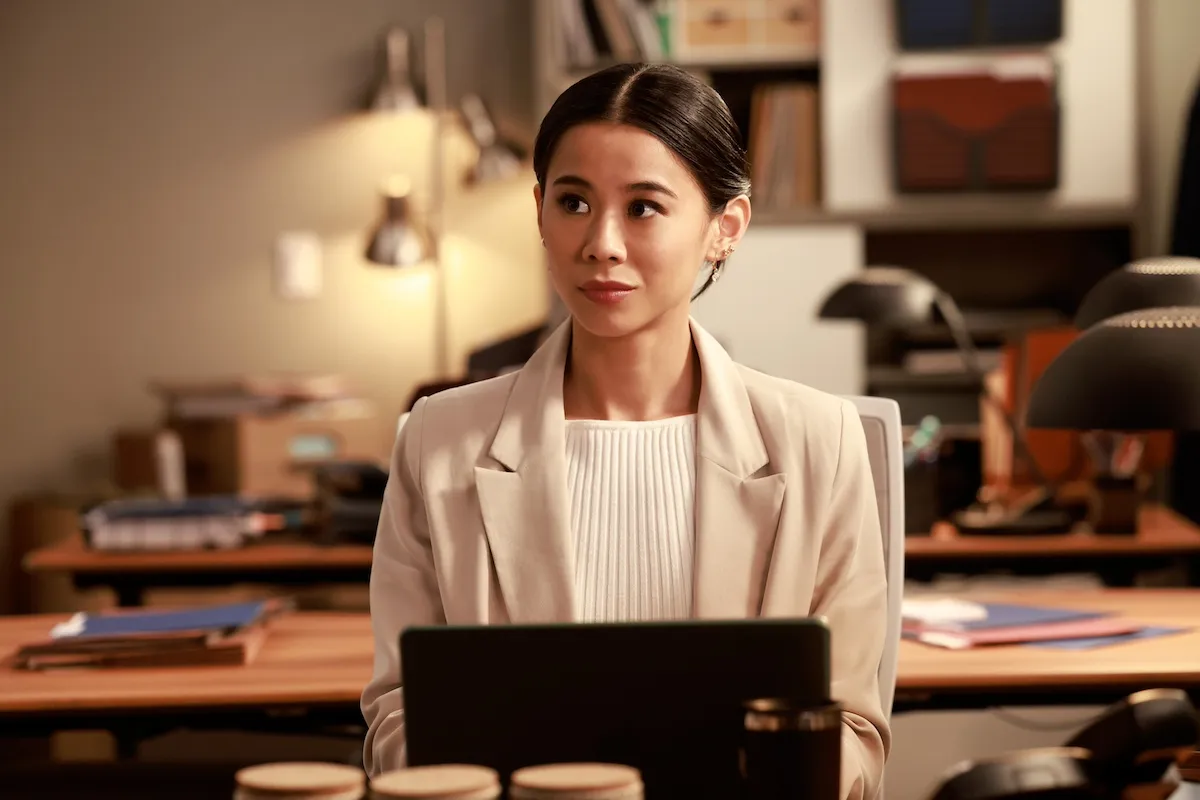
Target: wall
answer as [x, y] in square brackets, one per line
[152, 151]
[1171, 61]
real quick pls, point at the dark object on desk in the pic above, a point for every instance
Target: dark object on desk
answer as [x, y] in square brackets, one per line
[976, 131]
[1137, 371]
[897, 297]
[1137, 741]
[349, 501]
[1142, 284]
[505, 354]
[1049, 773]
[666, 698]
[792, 750]
[937, 24]
[1115, 504]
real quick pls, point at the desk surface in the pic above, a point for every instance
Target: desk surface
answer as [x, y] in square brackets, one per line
[314, 658]
[74, 556]
[309, 658]
[1162, 532]
[1172, 660]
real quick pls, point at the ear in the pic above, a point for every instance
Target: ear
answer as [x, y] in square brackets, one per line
[730, 224]
[537, 199]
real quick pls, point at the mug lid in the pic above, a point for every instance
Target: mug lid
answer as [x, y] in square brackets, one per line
[577, 777]
[450, 781]
[311, 778]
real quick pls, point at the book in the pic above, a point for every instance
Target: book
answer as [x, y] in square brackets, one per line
[229, 633]
[1101, 627]
[999, 615]
[114, 624]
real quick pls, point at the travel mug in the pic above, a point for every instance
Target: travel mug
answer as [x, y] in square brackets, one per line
[791, 750]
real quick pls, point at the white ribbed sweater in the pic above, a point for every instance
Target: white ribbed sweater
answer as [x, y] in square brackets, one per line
[632, 487]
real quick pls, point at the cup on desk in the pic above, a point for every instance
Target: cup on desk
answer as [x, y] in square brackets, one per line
[791, 750]
[300, 780]
[437, 782]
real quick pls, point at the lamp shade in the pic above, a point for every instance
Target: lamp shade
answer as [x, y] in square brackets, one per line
[882, 296]
[395, 92]
[1146, 283]
[399, 240]
[1135, 371]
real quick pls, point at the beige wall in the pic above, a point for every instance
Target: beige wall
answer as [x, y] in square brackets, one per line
[150, 152]
[1172, 61]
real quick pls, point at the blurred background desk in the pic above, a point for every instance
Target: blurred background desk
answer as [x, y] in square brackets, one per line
[307, 678]
[1163, 539]
[930, 678]
[131, 574]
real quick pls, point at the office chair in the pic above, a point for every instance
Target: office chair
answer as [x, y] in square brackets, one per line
[885, 450]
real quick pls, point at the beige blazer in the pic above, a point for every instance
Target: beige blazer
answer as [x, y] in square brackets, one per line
[475, 527]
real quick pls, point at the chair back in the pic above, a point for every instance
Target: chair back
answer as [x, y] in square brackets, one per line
[885, 449]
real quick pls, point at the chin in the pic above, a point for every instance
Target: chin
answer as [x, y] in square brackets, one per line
[608, 323]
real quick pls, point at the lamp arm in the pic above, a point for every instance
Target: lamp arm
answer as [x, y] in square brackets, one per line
[962, 338]
[435, 77]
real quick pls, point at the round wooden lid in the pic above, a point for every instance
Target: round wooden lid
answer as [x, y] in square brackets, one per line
[597, 781]
[302, 779]
[438, 782]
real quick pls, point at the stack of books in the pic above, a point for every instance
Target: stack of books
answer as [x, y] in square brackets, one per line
[228, 634]
[959, 625]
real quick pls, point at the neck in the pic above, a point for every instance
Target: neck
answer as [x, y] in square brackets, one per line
[652, 374]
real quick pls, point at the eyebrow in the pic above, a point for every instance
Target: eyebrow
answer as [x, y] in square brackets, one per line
[639, 186]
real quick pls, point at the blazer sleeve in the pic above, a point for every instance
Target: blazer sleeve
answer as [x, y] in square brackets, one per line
[851, 594]
[404, 592]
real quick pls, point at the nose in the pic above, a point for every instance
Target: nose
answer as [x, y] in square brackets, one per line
[605, 241]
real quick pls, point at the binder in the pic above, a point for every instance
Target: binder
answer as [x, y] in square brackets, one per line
[988, 129]
[937, 24]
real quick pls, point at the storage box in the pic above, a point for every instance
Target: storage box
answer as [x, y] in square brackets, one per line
[745, 31]
[936, 24]
[984, 130]
[272, 456]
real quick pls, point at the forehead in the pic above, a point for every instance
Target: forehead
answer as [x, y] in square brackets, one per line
[604, 152]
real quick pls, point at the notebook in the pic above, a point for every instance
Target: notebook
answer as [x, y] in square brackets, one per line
[1002, 615]
[227, 617]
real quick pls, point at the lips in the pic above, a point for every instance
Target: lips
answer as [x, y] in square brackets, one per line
[606, 292]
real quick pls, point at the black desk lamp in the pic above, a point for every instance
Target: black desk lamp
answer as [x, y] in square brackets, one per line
[1146, 283]
[1138, 371]
[899, 297]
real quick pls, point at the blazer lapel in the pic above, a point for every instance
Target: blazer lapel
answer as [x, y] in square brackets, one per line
[523, 495]
[738, 500]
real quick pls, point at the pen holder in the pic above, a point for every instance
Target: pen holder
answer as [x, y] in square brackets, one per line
[1114, 505]
[791, 750]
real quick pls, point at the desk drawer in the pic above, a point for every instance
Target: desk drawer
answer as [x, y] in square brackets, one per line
[714, 23]
[792, 23]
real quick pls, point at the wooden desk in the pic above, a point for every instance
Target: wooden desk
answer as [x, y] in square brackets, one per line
[130, 574]
[308, 676]
[314, 665]
[1163, 537]
[929, 677]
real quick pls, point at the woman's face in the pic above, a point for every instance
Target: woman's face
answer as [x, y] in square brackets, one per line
[626, 227]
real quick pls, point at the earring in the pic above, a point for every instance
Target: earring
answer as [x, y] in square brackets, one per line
[716, 273]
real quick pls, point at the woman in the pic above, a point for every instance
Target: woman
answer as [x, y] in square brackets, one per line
[631, 470]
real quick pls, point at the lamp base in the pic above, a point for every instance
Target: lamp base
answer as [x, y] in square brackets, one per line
[1042, 516]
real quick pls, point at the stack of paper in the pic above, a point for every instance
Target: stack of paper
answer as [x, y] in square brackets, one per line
[211, 635]
[959, 625]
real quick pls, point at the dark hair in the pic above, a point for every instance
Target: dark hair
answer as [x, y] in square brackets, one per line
[672, 105]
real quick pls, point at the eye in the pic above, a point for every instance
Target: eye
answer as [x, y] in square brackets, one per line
[642, 209]
[573, 204]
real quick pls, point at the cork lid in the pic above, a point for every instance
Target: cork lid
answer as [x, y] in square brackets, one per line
[299, 779]
[582, 781]
[438, 782]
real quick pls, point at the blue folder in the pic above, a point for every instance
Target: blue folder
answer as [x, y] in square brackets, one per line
[231, 616]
